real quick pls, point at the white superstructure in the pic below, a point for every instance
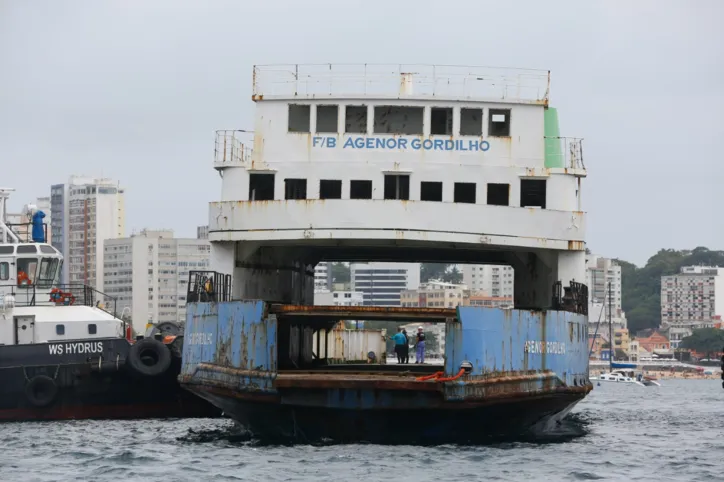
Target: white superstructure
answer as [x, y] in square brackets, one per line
[148, 274]
[85, 212]
[398, 163]
[34, 307]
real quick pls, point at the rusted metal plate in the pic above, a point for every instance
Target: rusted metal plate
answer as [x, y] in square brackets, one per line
[364, 312]
[352, 382]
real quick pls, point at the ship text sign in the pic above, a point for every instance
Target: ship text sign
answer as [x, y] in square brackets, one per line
[401, 144]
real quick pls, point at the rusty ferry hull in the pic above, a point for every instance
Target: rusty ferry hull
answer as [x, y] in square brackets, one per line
[253, 360]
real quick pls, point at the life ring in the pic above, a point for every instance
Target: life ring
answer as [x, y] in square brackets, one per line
[61, 297]
[41, 391]
[149, 357]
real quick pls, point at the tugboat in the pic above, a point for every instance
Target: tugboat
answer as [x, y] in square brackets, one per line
[400, 163]
[65, 354]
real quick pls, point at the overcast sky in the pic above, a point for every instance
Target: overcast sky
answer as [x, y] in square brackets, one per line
[134, 90]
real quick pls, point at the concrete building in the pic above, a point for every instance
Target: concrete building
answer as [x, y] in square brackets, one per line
[322, 277]
[600, 272]
[382, 283]
[148, 274]
[493, 280]
[202, 232]
[84, 213]
[339, 298]
[435, 294]
[690, 300]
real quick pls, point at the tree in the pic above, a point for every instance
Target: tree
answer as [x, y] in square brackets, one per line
[449, 273]
[705, 340]
[340, 273]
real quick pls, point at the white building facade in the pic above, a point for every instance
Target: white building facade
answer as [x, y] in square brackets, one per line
[383, 283]
[339, 298]
[435, 294]
[490, 280]
[84, 213]
[691, 299]
[600, 272]
[322, 277]
[148, 274]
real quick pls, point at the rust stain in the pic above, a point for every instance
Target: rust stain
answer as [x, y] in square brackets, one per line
[364, 311]
[576, 245]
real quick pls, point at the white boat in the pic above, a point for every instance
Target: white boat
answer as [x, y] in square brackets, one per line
[626, 376]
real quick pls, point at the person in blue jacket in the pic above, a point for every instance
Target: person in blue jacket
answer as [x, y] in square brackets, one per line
[400, 341]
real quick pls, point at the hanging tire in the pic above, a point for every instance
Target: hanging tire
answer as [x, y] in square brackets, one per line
[149, 357]
[41, 391]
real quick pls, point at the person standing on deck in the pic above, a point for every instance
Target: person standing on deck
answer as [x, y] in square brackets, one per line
[406, 348]
[419, 346]
[400, 341]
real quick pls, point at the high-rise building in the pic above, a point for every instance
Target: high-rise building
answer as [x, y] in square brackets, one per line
[691, 299]
[491, 280]
[382, 283]
[435, 294]
[84, 213]
[148, 274]
[599, 273]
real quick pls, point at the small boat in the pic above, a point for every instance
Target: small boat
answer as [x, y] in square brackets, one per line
[627, 376]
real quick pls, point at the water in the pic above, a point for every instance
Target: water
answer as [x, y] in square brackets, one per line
[620, 432]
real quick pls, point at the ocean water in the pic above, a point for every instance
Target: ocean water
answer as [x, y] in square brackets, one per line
[619, 432]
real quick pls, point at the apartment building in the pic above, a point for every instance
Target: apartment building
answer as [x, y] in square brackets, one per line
[691, 299]
[84, 213]
[382, 283]
[202, 232]
[339, 298]
[491, 280]
[322, 277]
[148, 274]
[600, 272]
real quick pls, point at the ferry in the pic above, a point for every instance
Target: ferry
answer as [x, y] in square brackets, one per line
[64, 352]
[404, 163]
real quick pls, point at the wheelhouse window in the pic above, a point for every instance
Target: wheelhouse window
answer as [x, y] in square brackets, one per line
[261, 187]
[327, 116]
[27, 271]
[397, 187]
[471, 122]
[360, 189]
[60, 329]
[499, 123]
[92, 329]
[48, 270]
[355, 121]
[441, 121]
[4, 271]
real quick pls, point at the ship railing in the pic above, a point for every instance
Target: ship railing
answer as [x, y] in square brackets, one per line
[208, 286]
[46, 293]
[572, 298]
[401, 80]
[232, 147]
[24, 231]
[567, 151]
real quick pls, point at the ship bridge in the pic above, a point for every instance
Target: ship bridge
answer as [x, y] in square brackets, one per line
[398, 162]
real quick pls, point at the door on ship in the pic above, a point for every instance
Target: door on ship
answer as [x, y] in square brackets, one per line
[24, 330]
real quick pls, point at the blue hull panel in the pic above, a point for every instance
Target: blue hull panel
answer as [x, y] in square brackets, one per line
[528, 369]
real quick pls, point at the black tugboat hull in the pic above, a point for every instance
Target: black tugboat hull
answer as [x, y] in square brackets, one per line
[90, 380]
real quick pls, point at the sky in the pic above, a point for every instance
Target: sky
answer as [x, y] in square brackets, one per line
[134, 90]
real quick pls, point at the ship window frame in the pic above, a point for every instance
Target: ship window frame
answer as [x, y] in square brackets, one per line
[326, 119]
[4, 271]
[436, 121]
[330, 189]
[468, 125]
[258, 177]
[92, 329]
[348, 126]
[490, 200]
[363, 186]
[295, 188]
[403, 110]
[401, 189]
[60, 329]
[533, 193]
[296, 123]
[431, 191]
[497, 128]
[462, 192]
